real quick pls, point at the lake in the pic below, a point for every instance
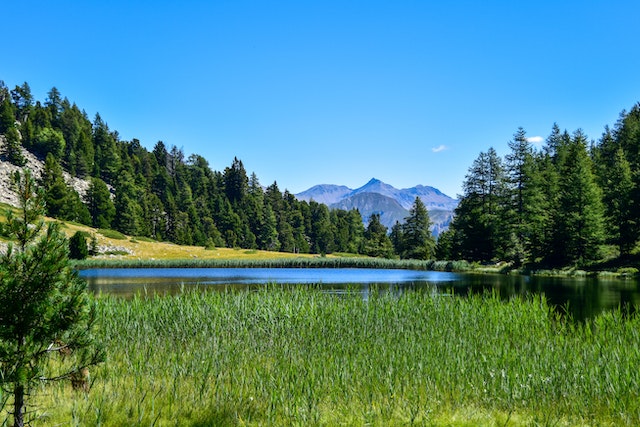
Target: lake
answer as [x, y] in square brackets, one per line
[582, 297]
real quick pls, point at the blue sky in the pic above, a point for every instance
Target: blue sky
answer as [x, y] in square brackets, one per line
[335, 92]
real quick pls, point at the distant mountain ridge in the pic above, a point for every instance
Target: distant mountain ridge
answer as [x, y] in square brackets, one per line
[391, 203]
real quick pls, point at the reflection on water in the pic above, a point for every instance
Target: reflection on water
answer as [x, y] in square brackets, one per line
[581, 297]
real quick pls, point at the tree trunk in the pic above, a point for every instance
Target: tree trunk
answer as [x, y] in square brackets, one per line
[18, 405]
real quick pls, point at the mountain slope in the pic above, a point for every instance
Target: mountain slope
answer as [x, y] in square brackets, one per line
[391, 203]
[324, 193]
[369, 203]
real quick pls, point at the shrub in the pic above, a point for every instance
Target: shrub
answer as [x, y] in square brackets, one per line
[78, 246]
[112, 234]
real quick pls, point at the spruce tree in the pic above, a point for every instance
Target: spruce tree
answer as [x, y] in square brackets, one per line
[376, 240]
[101, 207]
[7, 116]
[418, 241]
[12, 149]
[45, 307]
[56, 192]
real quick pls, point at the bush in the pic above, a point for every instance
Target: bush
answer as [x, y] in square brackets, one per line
[78, 246]
[112, 234]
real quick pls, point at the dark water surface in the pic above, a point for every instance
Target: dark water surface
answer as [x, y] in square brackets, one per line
[581, 297]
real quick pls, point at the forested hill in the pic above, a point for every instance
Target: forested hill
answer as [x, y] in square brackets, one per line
[161, 194]
[571, 202]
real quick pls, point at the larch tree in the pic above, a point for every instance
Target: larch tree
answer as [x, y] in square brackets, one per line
[579, 229]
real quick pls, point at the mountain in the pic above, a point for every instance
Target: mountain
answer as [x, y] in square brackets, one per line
[369, 203]
[325, 193]
[432, 197]
[391, 203]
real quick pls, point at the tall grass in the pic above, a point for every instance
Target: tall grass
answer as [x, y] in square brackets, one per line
[306, 262]
[283, 356]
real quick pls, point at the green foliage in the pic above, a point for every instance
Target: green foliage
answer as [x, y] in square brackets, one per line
[112, 234]
[376, 240]
[478, 222]
[296, 356]
[579, 228]
[45, 307]
[522, 209]
[49, 141]
[78, 248]
[12, 150]
[99, 204]
[7, 116]
[414, 237]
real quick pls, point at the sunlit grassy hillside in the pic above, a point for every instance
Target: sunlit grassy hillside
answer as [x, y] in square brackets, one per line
[120, 247]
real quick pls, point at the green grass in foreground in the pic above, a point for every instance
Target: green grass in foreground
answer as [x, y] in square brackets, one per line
[300, 357]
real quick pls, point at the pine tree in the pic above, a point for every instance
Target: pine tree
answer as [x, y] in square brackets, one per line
[56, 192]
[235, 181]
[99, 202]
[57, 316]
[418, 241]
[23, 101]
[268, 237]
[376, 240]
[523, 211]
[579, 226]
[477, 223]
[7, 116]
[78, 248]
[12, 149]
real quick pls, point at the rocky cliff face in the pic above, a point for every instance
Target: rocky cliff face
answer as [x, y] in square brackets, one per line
[36, 166]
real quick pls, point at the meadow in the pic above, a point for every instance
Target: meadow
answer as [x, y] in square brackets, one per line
[297, 356]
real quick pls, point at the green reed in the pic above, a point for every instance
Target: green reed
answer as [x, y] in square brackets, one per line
[297, 356]
[301, 262]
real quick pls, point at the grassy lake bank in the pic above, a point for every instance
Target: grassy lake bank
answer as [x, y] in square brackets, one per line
[284, 356]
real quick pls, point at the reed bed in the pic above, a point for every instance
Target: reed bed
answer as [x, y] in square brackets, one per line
[286, 356]
[298, 262]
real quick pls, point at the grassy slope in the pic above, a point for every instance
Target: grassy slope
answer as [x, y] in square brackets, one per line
[147, 249]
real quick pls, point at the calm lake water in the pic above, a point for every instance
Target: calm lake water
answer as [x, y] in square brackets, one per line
[582, 297]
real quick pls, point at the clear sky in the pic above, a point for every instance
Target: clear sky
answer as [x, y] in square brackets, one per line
[332, 92]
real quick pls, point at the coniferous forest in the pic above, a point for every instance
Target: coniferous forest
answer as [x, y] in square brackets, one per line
[162, 195]
[570, 202]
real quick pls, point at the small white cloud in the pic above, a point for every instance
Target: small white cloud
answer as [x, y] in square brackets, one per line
[536, 140]
[439, 148]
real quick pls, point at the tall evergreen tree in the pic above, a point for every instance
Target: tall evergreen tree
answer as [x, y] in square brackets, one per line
[57, 315]
[235, 181]
[7, 115]
[107, 160]
[616, 181]
[23, 101]
[12, 150]
[418, 241]
[579, 228]
[56, 192]
[101, 207]
[479, 236]
[376, 241]
[523, 216]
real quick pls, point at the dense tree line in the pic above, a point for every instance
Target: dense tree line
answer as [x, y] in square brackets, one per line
[554, 206]
[163, 195]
